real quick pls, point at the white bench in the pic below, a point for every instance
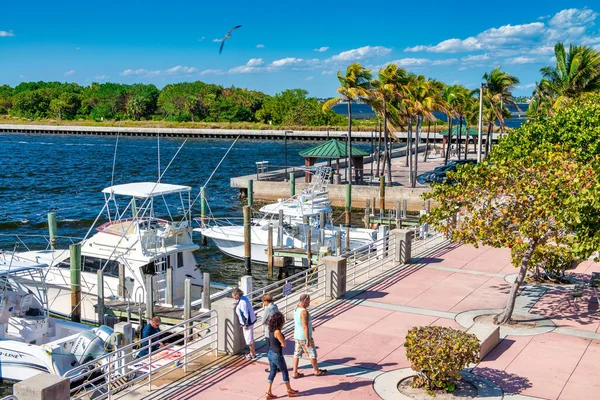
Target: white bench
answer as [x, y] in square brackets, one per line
[488, 335]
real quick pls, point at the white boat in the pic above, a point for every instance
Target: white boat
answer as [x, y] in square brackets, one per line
[299, 214]
[32, 341]
[133, 244]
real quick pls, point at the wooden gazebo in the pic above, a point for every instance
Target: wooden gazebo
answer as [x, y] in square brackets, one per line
[334, 149]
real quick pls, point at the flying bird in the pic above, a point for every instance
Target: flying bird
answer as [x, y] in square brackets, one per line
[227, 36]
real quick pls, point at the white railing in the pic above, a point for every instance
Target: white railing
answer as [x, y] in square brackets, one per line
[424, 242]
[369, 260]
[120, 372]
[286, 293]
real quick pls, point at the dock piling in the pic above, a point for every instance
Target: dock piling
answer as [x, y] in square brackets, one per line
[100, 297]
[247, 240]
[373, 204]
[398, 215]
[75, 254]
[367, 214]
[338, 243]
[121, 289]
[270, 251]
[348, 203]
[206, 290]
[170, 286]
[321, 229]
[404, 208]
[308, 246]
[250, 192]
[292, 184]
[280, 230]
[52, 230]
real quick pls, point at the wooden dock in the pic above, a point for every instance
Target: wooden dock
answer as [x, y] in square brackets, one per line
[131, 311]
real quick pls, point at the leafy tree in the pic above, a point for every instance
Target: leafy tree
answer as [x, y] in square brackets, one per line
[356, 84]
[31, 104]
[536, 194]
[142, 101]
[104, 101]
[65, 105]
[6, 93]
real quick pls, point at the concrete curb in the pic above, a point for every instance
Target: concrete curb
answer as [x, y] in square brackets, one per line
[386, 385]
[543, 324]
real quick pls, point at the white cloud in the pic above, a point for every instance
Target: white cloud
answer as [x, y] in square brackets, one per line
[309, 78]
[526, 86]
[476, 58]
[302, 63]
[322, 49]
[411, 62]
[216, 40]
[361, 53]
[6, 34]
[178, 70]
[212, 72]
[69, 73]
[572, 17]
[542, 50]
[447, 61]
[253, 65]
[181, 70]
[101, 77]
[521, 60]
[260, 46]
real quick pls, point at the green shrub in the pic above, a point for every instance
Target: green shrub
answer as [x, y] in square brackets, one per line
[438, 354]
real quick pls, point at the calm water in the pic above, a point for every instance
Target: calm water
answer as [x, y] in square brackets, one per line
[65, 174]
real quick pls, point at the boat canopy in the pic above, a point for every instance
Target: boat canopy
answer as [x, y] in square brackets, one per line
[146, 189]
[13, 264]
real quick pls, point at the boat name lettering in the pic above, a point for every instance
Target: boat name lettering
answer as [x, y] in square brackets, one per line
[11, 355]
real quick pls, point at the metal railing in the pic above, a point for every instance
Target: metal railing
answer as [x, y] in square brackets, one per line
[287, 291]
[424, 240]
[369, 260]
[120, 372]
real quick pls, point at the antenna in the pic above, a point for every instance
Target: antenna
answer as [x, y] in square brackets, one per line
[112, 177]
[158, 141]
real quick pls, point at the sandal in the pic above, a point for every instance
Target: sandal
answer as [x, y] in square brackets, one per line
[298, 375]
[321, 372]
[270, 396]
[292, 393]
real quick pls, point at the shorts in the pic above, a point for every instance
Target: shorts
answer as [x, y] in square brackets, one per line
[249, 334]
[303, 347]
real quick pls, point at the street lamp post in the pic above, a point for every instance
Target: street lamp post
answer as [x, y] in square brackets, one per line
[483, 85]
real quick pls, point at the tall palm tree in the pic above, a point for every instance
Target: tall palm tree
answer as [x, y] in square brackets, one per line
[577, 71]
[496, 97]
[463, 104]
[386, 89]
[354, 85]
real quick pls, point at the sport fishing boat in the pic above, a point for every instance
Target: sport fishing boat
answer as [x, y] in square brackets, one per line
[292, 219]
[32, 341]
[147, 234]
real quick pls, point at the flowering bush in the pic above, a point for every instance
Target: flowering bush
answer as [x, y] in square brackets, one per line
[438, 354]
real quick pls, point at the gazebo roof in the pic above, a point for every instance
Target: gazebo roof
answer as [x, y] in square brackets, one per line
[332, 149]
[456, 128]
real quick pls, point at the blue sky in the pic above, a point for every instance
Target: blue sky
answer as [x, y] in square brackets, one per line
[284, 44]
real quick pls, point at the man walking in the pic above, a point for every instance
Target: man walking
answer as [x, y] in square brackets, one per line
[303, 335]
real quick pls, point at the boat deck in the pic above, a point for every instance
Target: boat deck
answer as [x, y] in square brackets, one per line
[131, 311]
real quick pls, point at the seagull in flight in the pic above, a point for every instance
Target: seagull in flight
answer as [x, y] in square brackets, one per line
[227, 36]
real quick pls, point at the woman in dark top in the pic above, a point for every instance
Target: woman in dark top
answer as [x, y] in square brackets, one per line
[275, 355]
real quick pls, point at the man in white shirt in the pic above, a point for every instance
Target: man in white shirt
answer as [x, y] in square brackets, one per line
[247, 318]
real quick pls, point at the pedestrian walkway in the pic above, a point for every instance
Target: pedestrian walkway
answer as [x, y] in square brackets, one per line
[362, 336]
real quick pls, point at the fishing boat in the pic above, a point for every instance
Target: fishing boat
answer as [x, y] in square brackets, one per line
[146, 234]
[291, 219]
[32, 341]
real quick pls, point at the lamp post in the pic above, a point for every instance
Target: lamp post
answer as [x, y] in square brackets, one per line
[483, 85]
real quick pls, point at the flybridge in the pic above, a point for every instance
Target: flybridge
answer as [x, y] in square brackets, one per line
[146, 189]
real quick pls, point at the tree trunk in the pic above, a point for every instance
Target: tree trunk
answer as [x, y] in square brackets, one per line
[417, 142]
[459, 138]
[386, 139]
[407, 144]
[349, 165]
[488, 141]
[505, 316]
[410, 157]
[449, 141]
[466, 141]
[427, 141]
[379, 149]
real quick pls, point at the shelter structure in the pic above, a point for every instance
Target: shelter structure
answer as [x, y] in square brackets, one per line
[334, 150]
[465, 132]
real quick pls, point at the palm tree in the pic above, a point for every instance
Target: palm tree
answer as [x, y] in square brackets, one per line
[385, 90]
[355, 85]
[463, 104]
[496, 98]
[576, 72]
[450, 97]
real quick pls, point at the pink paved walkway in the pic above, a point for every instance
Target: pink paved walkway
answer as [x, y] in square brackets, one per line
[363, 337]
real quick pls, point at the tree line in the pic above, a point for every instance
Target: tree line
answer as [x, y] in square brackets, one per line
[193, 101]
